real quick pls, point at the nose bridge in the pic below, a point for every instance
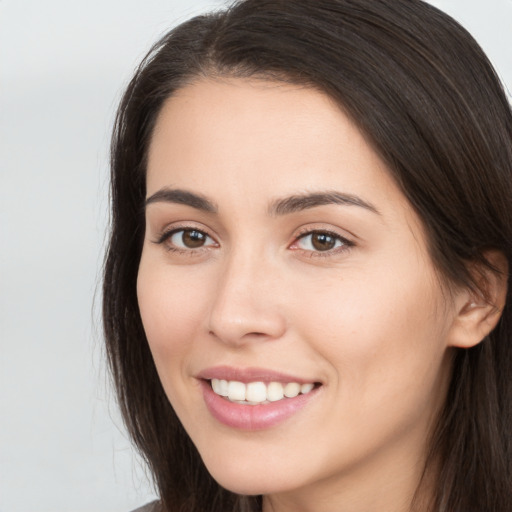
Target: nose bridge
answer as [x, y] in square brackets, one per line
[244, 306]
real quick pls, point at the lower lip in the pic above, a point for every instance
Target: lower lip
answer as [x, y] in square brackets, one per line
[252, 417]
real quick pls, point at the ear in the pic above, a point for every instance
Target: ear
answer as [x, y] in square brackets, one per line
[477, 312]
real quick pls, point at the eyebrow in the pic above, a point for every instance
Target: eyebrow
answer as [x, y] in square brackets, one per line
[278, 207]
[178, 196]
[301, 202]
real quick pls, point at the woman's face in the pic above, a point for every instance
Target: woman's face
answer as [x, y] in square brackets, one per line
[281, 258]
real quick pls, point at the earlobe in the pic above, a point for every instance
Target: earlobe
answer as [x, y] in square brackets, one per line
[479, 311]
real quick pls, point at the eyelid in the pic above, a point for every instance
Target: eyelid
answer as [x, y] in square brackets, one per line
[347, 243]
[330, 230]
[167, 232]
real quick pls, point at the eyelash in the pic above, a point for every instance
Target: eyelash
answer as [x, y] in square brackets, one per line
[167, 235]
[345, 243]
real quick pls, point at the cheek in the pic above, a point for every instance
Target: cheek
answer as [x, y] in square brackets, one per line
[171, 313]
[379, 333]
[384, 345]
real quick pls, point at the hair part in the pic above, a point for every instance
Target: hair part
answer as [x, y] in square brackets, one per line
[426, 97]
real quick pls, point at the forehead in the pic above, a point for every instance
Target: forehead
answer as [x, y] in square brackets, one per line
[241, 138]
[234, 110]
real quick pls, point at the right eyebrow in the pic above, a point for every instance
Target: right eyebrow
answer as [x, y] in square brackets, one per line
[178, 196]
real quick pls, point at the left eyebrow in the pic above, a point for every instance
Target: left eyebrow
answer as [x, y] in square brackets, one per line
[301, 202]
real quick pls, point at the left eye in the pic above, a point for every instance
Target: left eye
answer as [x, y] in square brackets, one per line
[319, 241]
[189, 239]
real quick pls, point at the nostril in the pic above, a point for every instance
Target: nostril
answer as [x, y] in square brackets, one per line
[253, 334]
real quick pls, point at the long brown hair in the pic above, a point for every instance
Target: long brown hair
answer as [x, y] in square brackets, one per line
[426, 97]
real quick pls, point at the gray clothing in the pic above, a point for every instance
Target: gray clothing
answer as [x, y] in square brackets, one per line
[150, 507]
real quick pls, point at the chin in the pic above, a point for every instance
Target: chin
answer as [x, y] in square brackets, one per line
[249, 482]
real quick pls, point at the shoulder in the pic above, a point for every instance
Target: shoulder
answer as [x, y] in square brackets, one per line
[150, 507]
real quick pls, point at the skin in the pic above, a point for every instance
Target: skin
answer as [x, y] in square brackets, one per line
[368, 319]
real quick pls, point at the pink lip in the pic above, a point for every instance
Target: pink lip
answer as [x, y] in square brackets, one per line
[249, 375]
[251, 417]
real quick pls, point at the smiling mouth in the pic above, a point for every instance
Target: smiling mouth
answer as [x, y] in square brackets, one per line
[258, 393]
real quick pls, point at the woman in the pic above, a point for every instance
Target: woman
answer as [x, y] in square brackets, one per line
[306, 294]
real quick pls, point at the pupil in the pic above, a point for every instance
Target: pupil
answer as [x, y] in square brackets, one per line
[193, 239]
[323, 242]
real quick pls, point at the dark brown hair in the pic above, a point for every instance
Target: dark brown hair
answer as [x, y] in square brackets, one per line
[424, 94]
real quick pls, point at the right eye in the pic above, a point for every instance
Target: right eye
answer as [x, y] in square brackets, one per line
[186, 239]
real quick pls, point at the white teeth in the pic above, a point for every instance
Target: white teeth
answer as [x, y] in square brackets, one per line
[255, 393]
[220, 387]
[223, 388]
[306, 388]
[275, 392]
[236, 390]
[215, 386]
[292, 389]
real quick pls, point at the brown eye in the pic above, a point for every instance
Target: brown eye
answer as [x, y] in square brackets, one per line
[193, 239]
[321, 241]
[189, 239]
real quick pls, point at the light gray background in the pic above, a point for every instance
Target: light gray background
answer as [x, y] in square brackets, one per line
[63, 65]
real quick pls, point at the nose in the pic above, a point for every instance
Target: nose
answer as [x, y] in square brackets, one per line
[246, 305]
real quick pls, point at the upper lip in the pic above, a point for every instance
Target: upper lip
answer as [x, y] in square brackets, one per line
[249, 375]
